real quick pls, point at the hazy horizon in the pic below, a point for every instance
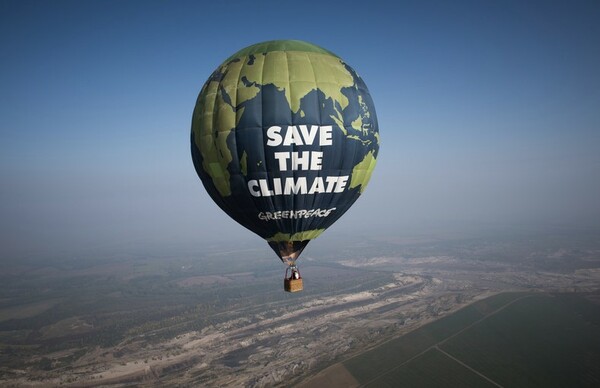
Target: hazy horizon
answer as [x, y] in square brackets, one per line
[488, 116]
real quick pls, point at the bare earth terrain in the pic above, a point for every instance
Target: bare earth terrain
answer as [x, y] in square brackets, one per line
[153, 323]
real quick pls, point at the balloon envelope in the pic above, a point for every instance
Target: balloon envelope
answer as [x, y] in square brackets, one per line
[284, 138]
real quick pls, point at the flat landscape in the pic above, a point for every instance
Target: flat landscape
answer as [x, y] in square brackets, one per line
[510, 339]
[423, 311]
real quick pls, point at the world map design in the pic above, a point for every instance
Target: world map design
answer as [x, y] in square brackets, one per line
[322, 115]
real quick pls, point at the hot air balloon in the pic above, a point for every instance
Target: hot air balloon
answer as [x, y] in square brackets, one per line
[285, 138]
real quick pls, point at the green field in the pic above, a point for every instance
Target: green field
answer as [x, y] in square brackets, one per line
[507, 340]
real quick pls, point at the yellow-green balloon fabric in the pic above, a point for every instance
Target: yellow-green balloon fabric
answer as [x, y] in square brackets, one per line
[284, 138]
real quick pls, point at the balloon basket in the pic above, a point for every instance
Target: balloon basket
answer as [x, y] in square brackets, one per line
[292, 281]
[293, 285]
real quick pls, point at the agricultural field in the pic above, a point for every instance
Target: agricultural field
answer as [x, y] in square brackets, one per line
[543, 340]
[510, 339]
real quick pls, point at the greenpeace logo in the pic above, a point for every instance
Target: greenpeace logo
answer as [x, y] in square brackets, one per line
[294, 214]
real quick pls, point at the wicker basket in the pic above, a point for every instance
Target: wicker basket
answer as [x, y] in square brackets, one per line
[292, 285]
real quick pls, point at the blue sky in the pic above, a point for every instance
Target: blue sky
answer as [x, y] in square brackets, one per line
[488, 112]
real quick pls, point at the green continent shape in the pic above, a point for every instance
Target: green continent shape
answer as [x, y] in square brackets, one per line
[279, 45]
[213, 121]
[358, 123]
[361, 174]
[297, 73]
[299, 236]
[216, 116]
[244, 163]
[362, 126]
